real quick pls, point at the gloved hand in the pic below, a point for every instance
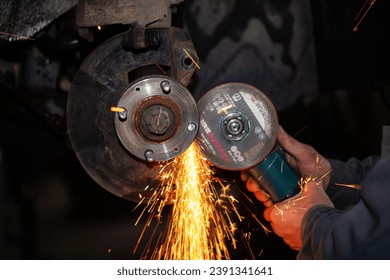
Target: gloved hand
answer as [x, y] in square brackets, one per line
[286, 217]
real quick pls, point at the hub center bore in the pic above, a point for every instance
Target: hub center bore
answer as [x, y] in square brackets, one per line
[157, 119]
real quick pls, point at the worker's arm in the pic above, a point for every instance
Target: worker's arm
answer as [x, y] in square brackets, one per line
[312, 212]
[346, 179]
[359, 232]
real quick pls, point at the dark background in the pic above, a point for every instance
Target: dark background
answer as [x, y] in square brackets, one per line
[51, 209]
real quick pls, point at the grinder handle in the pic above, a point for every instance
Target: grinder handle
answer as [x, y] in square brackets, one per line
[276, 176]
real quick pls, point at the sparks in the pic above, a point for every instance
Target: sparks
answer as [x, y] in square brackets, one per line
[352, 186]
[304, 180]
[192, 59]
[117, 109]
[225, 109]
[161, 69]
[363, 12]
[290, 204]
[200, 222]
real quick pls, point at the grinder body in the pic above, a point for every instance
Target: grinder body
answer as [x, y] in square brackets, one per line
[276, 176]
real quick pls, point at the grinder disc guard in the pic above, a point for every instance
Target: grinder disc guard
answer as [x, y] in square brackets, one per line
[238, 126]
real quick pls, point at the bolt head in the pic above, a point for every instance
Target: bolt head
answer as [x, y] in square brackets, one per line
[191, 127]
[166, 87]
[149, 155]
[122, 115]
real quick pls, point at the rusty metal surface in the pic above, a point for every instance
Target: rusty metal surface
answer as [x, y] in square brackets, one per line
[25, 18]
[154, 13]
[97, 86]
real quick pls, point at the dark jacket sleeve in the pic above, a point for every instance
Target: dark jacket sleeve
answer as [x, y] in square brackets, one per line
[347, 173]
[361, 231]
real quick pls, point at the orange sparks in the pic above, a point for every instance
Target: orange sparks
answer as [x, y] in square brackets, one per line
[117, 109]
[199, 221]
[161, 69]
[290, 204]
[363, 12]
[352, 186]
[192, 59]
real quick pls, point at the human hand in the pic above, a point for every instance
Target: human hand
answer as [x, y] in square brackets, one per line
[286, 217]
[254, 188]
[304, 159]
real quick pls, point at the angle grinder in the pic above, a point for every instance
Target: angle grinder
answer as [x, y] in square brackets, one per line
[238, 131]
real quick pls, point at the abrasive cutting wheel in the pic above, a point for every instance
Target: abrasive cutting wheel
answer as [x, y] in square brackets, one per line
[238, 131]
[238, 126]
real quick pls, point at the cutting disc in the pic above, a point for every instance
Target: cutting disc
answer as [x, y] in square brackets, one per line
[238, 126]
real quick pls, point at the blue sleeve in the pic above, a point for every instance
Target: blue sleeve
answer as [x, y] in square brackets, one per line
[362, 231]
